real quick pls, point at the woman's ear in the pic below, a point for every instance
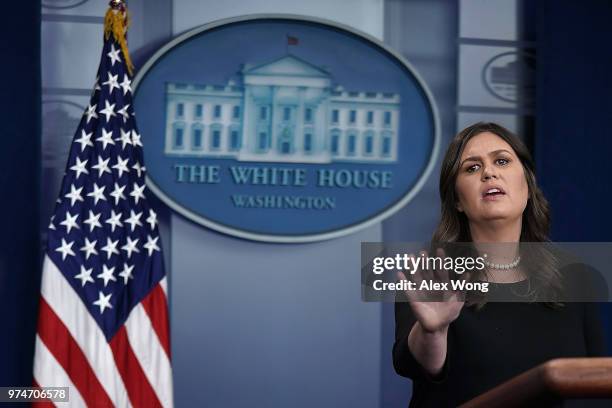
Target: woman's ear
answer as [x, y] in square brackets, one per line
[458, 206]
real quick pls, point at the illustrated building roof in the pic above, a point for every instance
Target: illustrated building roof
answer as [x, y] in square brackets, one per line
[289, 65]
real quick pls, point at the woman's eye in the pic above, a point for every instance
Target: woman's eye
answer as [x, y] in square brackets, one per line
[503, 162]
[472, 168]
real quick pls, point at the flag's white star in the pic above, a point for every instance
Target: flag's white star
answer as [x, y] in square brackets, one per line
[89, 248]
[126, 273]
[97, 84]
[126, 84]
[152, 219]
[110, 248]
[121, 165]
[137, 192]
[151, 244]
[97, 194]
[84, 276]
[70, 222]
[139, 169]
[130, 246]
[80, 167]
[114, 55]
[118, 193]
[108, 111]
[65, 249]
[136, 139]
[84, 140]
[74, 195]
[51, 225]
[106, 138]
[114, 220]
[134, 219]
[91, 111]
[112, 82]
[126, 138]
[107, 274]
[103, 302]
[93, 221]
[102, 166]
[123, 112]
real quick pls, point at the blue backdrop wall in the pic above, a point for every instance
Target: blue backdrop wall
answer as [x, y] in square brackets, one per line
[573, 140]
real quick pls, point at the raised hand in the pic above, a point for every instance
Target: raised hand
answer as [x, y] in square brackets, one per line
[434, 316]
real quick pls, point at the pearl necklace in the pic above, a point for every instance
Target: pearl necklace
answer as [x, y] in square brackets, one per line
[507, 266]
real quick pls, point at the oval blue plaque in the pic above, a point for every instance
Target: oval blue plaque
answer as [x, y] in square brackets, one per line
[283, 128]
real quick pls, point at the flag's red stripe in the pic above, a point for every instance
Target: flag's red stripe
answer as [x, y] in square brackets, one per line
[41, 404]
[69, 355]
[138, 387]
[156, 306]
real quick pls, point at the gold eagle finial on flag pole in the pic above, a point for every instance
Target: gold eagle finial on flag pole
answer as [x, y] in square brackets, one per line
[117, 21]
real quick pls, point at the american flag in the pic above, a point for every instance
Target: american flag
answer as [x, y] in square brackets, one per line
[103, 317]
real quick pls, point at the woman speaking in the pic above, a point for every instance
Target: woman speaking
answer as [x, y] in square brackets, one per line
[456, 350]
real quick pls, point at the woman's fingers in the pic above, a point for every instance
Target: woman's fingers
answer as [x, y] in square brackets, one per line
[409, 293]
[441, 274]
[421, 277]
[424, 270]
[412, 294]
[415, 276]
[431, 281]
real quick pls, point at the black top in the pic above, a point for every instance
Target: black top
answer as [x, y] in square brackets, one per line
[489, 346]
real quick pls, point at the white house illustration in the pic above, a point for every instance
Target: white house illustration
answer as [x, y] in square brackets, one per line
[286, 111]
